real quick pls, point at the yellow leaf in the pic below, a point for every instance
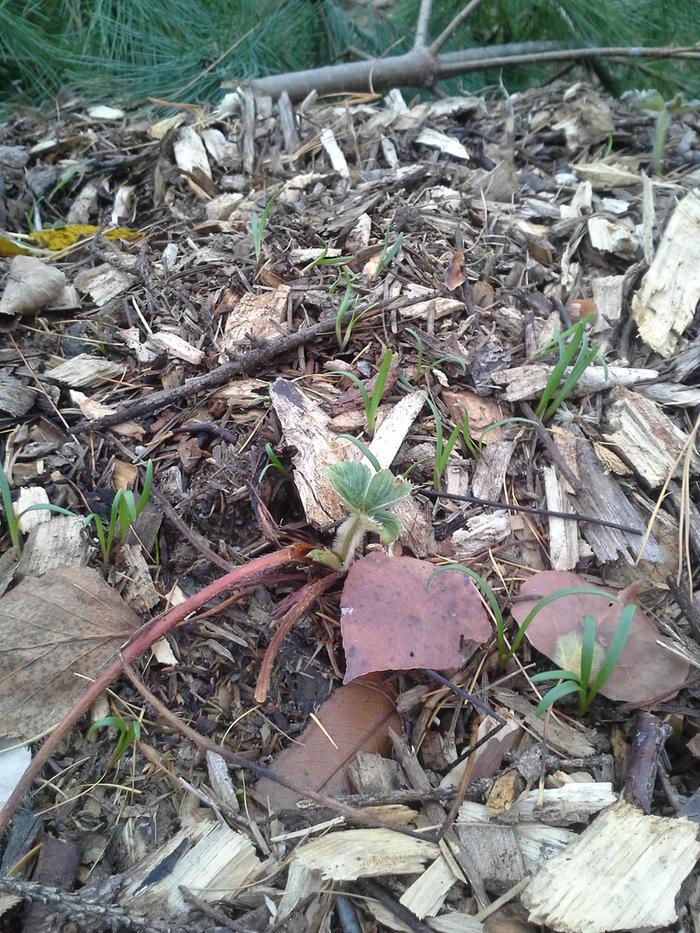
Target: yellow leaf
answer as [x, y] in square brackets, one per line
[67, 236]
[8, 248]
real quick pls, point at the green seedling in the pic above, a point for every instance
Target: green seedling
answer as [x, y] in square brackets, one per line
[124, 512]
[371, 402]
[258, 223]
[545, 601]
[583, 681]
[274, 463]
[389, 253]
[349, 300]
[129, 735]
[364, 450]
[492, 602]
[367, 498]
[325, 260]
[12, 519]
[500, 424]
[573, 342]
[665, 110]
[444, 448]
[424, 369]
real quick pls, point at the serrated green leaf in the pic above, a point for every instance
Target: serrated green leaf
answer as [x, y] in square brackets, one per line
[384, 489]
[350, 481]
[386, 524]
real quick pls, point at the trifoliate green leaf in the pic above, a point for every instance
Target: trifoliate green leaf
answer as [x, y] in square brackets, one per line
[386, 524]
[384, 489]
[350, 481]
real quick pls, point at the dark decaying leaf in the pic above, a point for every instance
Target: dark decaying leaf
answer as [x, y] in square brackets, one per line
[357, 717]
[645, 669]
[52, 628]
[398, 614]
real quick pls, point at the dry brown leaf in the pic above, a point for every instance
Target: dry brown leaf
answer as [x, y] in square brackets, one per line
[645, 669]
[399, 614]
[53, 627]
[456, 273]
[31, 285]
[482, 412]
[357, 718]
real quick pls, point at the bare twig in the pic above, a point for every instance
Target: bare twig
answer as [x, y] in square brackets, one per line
[454, 25]
[418, 68]
[531, 510]
[426, 7]
[308, 595]
[195, 539]
[252, 361]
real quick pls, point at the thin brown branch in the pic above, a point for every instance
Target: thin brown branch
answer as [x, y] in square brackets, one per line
[307, 596]
[143, 640]
[454, 25]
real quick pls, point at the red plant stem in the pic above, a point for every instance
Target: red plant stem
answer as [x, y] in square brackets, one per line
[143, 640]
[306, 597]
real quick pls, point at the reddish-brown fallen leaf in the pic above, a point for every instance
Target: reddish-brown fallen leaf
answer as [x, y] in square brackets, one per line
[645, 668]
[52, 628]
[398, 614]
[456, 273]
[357, 718]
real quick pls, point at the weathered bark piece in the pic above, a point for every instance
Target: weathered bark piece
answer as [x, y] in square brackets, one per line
[29, 496]
[623, 873]
[602, 497]
[480, 533]
[607, 295]
[610, 236]
[561, 806]
[648, 742]
[665, 304]
[392, 432]
[496, 852]
[427, 894]
[85, 370]
[563, 534]
[537, 842]
[645, 437]
[208, 857]
[371, 774]
[16, 398]
[61, 542]
[104, 282]
[491, 470]
[528, 381]
[305, 426]
[176, 347]
[575, 743]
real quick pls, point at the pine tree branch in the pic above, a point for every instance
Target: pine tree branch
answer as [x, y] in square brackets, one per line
[420, 68]
[453, 26]
[426, 8]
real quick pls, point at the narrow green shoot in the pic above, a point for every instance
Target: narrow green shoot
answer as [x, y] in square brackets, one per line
[389, 253]
[492, 602]
[274, 463]
[502, 423]
[581, 683]
[10, 517]
[129, 734]
[124, 512]
[371, 402]
[422, 368]
[258, 223]
[576, 352]
[546, 601]
[367, 498]
[364, 450]
[13, 519]
[349, 299]
[444, 448]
